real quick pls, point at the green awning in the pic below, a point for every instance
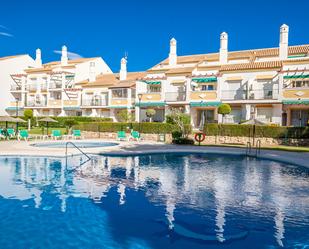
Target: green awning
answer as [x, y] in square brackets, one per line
[296, 102]
[152, 82]
[202, 104]
[297, 56]
[301, 76]
[71, 108]
[13, 108]
[69, 76]
[148, 104]
[205, 80]
[118, 107]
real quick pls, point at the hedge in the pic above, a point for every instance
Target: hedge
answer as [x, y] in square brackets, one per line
[235, 130]
[154, 128]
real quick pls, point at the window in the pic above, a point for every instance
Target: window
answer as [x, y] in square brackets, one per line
[120, 93]
[153, 88]
[207, 87]
[300, 83]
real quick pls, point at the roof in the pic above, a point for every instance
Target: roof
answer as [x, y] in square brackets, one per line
[252, 66]
[11, 57]
[232, 55]
[50, 65]
[112, 80]
[180, 70]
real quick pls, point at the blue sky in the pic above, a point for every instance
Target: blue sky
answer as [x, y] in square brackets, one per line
[143, 28]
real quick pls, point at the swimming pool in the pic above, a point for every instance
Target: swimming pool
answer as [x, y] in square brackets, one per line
[80, 144]
[153, 201]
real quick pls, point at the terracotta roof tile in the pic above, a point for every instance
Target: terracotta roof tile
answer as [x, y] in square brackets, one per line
[180, 70]
[251, 66]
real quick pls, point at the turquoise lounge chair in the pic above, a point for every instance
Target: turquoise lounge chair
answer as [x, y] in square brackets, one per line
[121, 135]
[23, 134]
[10, 132]
[56, 134]
[2, 134]
[76, 134]
[135, 135]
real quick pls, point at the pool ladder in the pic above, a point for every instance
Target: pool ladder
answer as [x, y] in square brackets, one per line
[79, 149]
[257, 148]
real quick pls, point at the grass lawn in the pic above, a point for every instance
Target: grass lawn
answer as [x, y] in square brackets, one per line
[275, 147]
[38, 130]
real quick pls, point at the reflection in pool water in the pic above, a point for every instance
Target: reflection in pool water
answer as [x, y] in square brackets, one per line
[153, 201]
[80, 144]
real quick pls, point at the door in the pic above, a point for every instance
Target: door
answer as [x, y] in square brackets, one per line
[299, 117]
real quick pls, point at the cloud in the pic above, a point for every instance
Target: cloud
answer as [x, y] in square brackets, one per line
[6, 34]
[71, 55]
[3, 27]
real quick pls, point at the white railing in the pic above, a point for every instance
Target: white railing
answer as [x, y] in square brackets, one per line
[175, 96]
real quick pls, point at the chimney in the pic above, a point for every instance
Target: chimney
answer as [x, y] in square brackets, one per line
[284, 42]
[38, 58]
[123, 69]
[92, 71]
[64, 56]
[172, 57]
[223, 48]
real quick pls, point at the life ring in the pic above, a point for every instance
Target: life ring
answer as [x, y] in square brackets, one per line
[199, 137]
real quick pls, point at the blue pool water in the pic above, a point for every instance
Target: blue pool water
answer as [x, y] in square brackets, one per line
[80, 144]
[153, 201]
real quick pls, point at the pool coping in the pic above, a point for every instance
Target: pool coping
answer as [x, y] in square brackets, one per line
[10, 148]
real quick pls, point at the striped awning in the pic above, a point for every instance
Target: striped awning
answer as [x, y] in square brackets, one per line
[300, 76]
[118, 107]
[296, 102]
[148, 104]
[205, 80]
[152, 82]
[13, 108]
[71, 108]
[203, 104]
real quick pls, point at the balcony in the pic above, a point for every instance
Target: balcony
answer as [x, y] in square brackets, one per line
[16, 103]
[31, 88]
[55, 102]
[296, 93]
[151, 97]
[15, 88]
[44, 87]
[70, 102]
[175, 96]
[203, 95]
[32, 103]
[241, 94]
[54, 85]
[95, 102]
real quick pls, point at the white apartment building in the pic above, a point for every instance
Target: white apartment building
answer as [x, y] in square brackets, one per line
[11, 65]
[271, 85]
[49, 89]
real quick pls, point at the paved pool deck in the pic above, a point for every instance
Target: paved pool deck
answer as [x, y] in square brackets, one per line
[23, 148]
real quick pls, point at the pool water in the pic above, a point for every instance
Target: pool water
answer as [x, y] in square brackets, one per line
[153, 201]
[80, 144]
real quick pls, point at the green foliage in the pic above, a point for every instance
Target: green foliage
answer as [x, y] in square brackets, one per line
[153, 128]
[150, 113]
[235, 130]
[28, 114]
[125, 116]
[184, 118]
[224, 109]
[176, 135]
[181, 120]
[183, 140]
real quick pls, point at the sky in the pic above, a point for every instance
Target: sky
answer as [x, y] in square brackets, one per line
[142, 29]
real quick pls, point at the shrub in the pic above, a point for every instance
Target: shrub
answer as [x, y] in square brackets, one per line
[153, 128]
[176, 135]
[150, 113]
[259, 131]
[125, 116]
[224, 109]
[183, 140]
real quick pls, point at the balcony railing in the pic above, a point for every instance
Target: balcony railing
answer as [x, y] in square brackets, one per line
[250, 95]
[54, 85]
[15, 88]
[175, 96]
[36, 103]
[94, 102]
[31, 88]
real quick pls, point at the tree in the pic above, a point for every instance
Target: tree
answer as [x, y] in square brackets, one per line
[28, 115]
[181, 120]
[224, 109]
[125, 116]
[69, 123]
[150, 113]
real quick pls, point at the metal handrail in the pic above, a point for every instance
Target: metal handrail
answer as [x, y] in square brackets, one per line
[258, 147]
[248, 148]
[66, 152]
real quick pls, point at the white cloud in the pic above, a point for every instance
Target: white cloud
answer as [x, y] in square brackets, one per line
[3, 27]
[6, 34]
[71, 55]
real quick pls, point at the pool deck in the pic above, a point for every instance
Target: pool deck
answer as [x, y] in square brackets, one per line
[11, 148]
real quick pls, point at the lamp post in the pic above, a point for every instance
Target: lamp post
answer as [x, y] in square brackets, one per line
[139, 111]
[17, 100]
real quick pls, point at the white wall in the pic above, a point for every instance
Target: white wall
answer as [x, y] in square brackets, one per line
[7, 67]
